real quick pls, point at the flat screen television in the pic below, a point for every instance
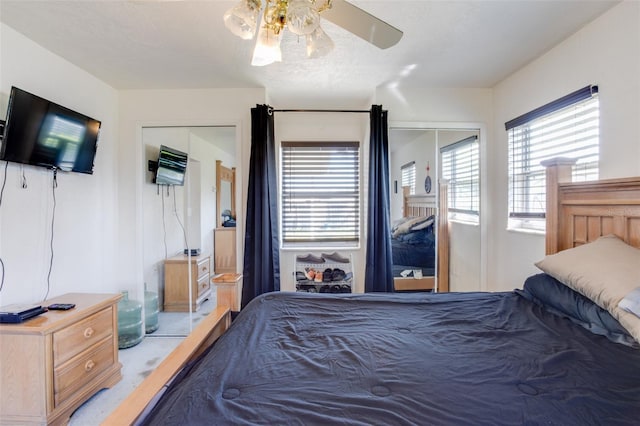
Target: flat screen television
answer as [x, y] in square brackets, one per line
[172, 166]
[42, 133]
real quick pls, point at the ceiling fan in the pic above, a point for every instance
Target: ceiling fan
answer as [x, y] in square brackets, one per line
[302, 17]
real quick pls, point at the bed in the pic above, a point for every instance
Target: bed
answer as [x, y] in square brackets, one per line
[419, 243]
[546, 354]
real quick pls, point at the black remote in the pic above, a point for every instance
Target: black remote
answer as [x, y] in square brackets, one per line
[61, 306]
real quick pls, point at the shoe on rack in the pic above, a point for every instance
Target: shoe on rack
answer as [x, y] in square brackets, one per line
[325, 289]
[344, 288]
[335, 289]
[300, 276]
[327, 275]
[348, 276]
[338, 275]
[310, 273]
[335, 257]
[309, 258]
[318, 277]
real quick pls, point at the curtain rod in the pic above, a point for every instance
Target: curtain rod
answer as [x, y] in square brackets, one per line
[321, 110]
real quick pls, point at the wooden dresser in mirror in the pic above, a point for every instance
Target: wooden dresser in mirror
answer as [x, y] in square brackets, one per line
[224, 237]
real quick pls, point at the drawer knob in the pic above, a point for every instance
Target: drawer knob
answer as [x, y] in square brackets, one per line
[88, 332]
[88, 366]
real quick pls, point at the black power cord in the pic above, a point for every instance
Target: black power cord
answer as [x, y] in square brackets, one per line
[175, 210]
[53, 217]
[4, 183]
[164, 224]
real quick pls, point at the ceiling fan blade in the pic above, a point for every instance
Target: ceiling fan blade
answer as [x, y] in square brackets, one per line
[362, 24]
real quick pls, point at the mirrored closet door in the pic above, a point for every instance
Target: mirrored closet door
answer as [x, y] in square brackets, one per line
[420, 156]
[180, 219]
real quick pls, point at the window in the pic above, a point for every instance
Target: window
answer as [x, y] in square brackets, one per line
[320, 192]
[409, 176]
[460, 166]
[567, 127]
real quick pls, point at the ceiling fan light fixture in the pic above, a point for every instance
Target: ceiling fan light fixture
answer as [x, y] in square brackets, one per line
[319, 44]
[242, 19]
[267, 50]
[302, 17]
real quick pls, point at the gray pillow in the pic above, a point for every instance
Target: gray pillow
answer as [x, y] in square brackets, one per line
[559, 299]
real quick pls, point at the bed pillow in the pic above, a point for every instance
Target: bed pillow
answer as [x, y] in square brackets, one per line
[400, 223]
[423, 224]
[605, 271]
[412, 223]
[557, 298]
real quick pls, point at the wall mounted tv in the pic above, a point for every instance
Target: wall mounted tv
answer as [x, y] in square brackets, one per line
[172, 165]
[42, 133]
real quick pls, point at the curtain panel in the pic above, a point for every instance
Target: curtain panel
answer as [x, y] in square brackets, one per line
[378, 268]
[261, 241]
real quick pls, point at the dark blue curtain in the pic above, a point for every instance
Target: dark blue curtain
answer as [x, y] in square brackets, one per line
[378, 268]
[261, 242]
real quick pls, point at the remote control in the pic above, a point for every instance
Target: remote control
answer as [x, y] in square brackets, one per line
[61, 306]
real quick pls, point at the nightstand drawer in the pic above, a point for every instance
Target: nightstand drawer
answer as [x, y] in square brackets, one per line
[203, 285]
[203, 269]
[73, 375]
[74, 339]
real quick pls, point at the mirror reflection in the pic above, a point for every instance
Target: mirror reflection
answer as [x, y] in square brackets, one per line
[179, 224]
[423, 248]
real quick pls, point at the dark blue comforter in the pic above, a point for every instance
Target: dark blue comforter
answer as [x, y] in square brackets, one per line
[406, 359]
[415, 249]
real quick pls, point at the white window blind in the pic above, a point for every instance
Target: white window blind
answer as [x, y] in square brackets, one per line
[567, 127]
[409, 176]
[460, 166]
[320, 191]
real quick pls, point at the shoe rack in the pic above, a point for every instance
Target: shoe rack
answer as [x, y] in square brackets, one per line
[323, 273]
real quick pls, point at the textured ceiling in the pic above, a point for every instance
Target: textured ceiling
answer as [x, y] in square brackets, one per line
[145, 44]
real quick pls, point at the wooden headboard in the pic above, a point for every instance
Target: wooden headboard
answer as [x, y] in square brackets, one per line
[580, 212]
[418, 204]
[427, 205]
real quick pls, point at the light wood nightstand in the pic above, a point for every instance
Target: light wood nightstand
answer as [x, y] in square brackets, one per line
[52, 363]
[176, 279]
[229, 290]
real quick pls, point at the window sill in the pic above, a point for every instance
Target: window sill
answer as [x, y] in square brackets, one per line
[527, 231]
[318, 246]
[464, 222]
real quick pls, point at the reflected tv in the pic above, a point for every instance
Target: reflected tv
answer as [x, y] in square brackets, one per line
[42, 133]
[172, 166]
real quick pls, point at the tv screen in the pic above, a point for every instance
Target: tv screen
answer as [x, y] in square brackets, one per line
[42, 133]
[172, 165]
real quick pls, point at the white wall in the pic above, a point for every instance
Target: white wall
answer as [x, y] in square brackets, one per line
[421, 105]
[607, 53]
[84, 240]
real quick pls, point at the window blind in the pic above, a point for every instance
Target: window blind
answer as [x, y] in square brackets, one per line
[320, 191]
[409, 176]
[559, 129]
[461, 167]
